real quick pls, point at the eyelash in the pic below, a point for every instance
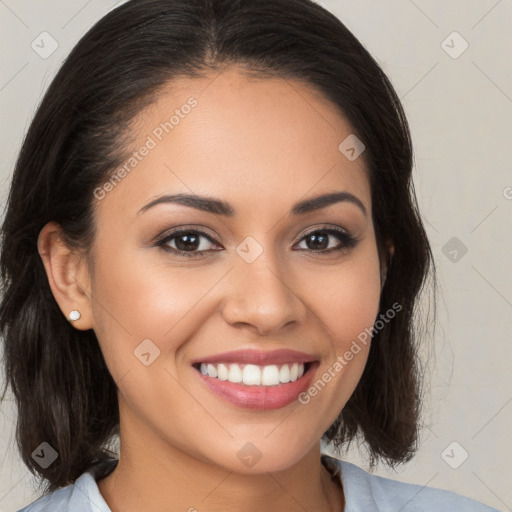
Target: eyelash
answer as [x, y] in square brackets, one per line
[347, 241]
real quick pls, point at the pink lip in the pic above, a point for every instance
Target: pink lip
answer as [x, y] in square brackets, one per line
[258, 357]
[259, 397]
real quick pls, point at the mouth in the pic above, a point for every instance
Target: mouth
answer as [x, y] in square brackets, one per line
[254, 375]
[257, 380]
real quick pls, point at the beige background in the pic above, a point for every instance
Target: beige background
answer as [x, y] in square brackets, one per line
[460, 111]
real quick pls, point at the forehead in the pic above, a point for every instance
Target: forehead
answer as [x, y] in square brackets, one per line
[253, 142]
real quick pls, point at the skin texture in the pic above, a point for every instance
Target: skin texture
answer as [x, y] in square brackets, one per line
[262, 145]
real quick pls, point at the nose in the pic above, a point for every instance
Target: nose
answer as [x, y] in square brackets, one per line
[261, 295]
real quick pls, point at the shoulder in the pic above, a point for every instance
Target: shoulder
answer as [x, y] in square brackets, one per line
[364, 491]
[81, 496]
[58, 501]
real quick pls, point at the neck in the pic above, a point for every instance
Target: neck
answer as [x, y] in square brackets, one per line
[153, 476]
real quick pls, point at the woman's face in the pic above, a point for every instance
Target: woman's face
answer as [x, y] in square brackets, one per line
[259, 280]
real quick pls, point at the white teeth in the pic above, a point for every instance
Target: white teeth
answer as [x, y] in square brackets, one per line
[270, 375]
[294, 371]
[284, 374]
[222, 372]
[235, 373]
[211, 370]
[253, 375]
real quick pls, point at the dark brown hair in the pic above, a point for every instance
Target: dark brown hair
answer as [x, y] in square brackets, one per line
[78, 137]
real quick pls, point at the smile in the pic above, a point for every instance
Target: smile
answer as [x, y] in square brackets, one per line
[253, 375]
[257, 387]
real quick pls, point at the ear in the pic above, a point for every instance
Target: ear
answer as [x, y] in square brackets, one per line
[388, 256]
[67, 274]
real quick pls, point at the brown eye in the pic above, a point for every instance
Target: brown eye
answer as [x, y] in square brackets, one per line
[319, 240]
[187, 243]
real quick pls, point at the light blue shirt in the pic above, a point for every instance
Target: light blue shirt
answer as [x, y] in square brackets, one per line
[364, 492]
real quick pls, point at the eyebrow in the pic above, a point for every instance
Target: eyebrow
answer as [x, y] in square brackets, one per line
[220, 207]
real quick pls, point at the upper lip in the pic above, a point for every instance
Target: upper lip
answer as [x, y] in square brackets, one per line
[258, 357]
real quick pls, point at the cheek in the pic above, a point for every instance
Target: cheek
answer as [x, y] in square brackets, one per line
[347, 300]
[137, 298]
[143, 314]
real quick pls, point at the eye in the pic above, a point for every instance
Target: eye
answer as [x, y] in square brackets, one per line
[319, 240]
[187, 242]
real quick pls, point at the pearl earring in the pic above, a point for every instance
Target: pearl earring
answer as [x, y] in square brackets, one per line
[74, 315]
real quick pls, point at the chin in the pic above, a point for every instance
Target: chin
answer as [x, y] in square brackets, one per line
[258, 455]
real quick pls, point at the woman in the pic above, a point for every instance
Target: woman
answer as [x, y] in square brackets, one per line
[212, 249]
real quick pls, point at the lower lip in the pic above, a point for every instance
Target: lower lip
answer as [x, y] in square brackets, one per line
[259, 397]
